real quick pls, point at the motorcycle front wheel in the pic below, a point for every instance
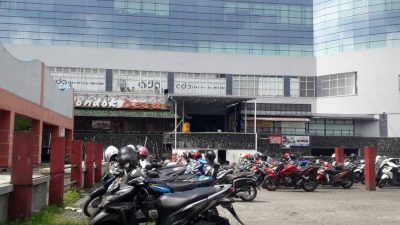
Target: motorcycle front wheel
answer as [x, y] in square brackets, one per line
[347, 181]
[309, 185]
[90, 206]
[357, 177]
[249, 193]
[271, 183]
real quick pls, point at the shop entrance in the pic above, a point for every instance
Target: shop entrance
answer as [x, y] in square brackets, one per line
[206, 123]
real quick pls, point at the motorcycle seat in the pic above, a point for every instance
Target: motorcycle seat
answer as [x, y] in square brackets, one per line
[181, 186]
[187, 185]
[181, 199]
[303, 169]
[233, 176]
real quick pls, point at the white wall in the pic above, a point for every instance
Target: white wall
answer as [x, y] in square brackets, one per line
[20, 78]
[233, 156]
[165, 61]
[394, 125]
[23, 78]
[377, 82]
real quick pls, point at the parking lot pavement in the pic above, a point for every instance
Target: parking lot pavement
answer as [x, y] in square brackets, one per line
[324, 206]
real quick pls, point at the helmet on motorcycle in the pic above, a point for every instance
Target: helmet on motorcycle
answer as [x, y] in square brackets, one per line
[353, 156]
[333, 156]
[131, 146]
[127, 158]
[256, 156]
[196, 155]
[210, 156]
[286, 155]
[293, 157]
[248, 156]
[143, 152]
[111, 153]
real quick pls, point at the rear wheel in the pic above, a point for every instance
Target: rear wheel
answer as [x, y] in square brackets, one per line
[249, 193]
[271, 183]
[382, 183]
[357, 177]
[309, 185]
[347, 181]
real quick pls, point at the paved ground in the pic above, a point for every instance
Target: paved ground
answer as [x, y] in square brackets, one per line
[324, 206]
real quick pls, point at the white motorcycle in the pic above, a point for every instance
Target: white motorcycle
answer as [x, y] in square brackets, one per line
[390, 173]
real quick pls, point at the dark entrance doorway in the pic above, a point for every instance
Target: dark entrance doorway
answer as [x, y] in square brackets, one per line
[222, 156]
[206, 123]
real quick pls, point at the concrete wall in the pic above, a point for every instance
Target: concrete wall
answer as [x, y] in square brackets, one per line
[39, 192]
[377, 83]
[20, 78]
[165, 61]
[5, 189]
[24, 79]
[59, 101]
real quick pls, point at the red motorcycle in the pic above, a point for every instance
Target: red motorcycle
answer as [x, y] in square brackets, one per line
[335, 176]
[289, 175]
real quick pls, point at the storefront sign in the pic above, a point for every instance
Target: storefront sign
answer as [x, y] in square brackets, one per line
[120, 102]
[275, 139]
[296, 141]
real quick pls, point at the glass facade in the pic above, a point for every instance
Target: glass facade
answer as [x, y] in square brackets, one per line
[350, 25]
[252, 27]
[342, 84]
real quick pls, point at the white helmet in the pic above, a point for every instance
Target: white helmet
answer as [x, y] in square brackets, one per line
[131, 146]
[333, 156]
[110, 152]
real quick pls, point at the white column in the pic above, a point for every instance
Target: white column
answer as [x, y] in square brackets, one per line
[183, 113]
[176, 123]
[255, 124]
[245, 117]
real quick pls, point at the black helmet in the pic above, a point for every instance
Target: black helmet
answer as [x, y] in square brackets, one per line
[256, 156]
[127, 158]
[293, 157]
[210, 156]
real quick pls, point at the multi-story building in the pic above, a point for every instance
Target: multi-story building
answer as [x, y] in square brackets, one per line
[322, 68]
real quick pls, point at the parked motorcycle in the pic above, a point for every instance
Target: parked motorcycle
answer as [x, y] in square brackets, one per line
[390, 173]
[127, 201]
[335, 176]
[289, 175]
[359, 171]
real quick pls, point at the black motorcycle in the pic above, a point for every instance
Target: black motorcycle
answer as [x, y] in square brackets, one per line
[244, 184]
[126, 203]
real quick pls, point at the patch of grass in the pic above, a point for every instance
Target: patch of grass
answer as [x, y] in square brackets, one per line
[53, 215]
[71, 196]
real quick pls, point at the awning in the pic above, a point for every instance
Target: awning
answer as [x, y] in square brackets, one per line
[209, 100]
[165, 114]
[285, 119]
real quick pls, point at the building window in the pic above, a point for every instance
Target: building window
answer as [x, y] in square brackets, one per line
[257, 85]
[302, 87]
[342, 84]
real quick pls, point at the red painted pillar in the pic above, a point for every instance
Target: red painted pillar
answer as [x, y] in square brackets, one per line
[69, 136]
[76, 162]
[89, 161]
[20, 200]
[37, 128]
[339, 154]
[7, 119]
[98, 158]
[57, 158]
[369, 156]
